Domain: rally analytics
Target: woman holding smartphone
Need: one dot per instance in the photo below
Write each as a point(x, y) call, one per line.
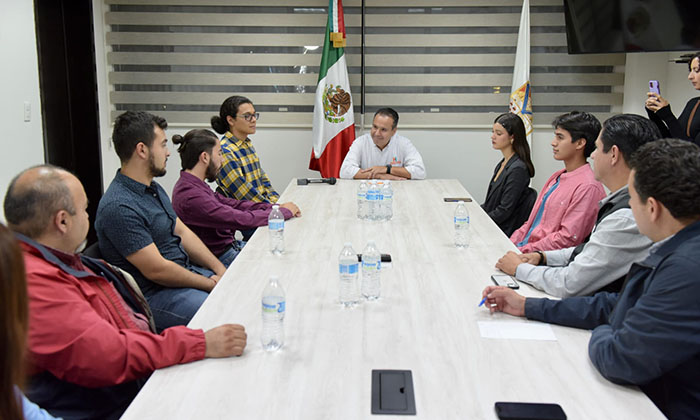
point(687, 126)
point(509, 200)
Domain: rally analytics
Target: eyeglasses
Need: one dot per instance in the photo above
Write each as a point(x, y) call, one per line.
point(249, 117)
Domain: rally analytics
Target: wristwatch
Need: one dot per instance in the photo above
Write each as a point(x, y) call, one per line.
point(543, 259)
point(388, 169)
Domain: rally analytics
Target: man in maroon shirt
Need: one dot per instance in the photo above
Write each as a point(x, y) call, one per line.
point(91, 341)
point(213, 217)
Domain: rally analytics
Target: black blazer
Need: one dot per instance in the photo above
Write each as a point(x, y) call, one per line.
point(507, 194)
point(677, 128)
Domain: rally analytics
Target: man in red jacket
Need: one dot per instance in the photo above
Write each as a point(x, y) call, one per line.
point(91, 337)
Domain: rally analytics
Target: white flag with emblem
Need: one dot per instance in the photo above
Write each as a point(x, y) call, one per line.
point(521, 90)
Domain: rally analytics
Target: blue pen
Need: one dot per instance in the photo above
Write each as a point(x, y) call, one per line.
point(482, 301)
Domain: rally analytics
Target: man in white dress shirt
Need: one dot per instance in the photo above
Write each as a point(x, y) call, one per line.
point(602, 260)
point(383, 154)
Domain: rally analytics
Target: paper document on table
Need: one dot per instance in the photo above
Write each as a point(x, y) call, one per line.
point(516, 330)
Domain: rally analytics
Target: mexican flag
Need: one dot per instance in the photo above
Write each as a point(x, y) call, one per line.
point(334, 121)
point(521, 89)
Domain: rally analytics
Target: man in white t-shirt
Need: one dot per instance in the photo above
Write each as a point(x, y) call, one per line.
point(383, 154)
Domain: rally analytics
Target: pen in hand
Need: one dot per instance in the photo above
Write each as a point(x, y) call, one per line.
point(482, 301)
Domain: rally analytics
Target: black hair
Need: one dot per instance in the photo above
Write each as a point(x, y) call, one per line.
point(30, 206)
point(628, 132)
point(193, 144)
point(581, 125)
point(669, 170)
point(391, 113)
point(229, 107)
point(132, 128)
point(690, 60)
point(515, 127)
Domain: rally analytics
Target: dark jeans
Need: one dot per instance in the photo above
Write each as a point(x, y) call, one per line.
point(176, 306)
point(231, 253)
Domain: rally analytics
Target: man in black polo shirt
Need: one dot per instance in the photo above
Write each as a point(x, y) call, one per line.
point(138, 230)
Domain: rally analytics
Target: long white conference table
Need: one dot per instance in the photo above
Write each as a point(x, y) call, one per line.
point(426, 321)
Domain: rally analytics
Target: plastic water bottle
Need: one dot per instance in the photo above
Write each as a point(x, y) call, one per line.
point(372, 196)
point(379, 216)
point(273, 308)
point(275, 223)
point(362, 200)
point(349, 287)
point(388, 200)
point(461, 225)
point(371, 271)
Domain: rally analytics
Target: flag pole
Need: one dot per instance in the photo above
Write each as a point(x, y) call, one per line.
point(521, 95)
point(362, 72)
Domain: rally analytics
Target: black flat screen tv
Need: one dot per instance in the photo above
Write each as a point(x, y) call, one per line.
point(614, 26)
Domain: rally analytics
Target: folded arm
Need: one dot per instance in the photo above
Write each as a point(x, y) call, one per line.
point(613, 247)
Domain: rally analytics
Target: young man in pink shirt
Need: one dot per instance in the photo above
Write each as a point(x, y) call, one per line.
point(566, 208)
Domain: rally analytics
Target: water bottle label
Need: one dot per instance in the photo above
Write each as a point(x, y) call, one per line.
point(462, 220)
point(371, 197)
point(276, 225)
point(371, 266)
point(274, 307)
point(348, 268)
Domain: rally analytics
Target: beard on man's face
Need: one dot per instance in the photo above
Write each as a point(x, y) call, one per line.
point(211, 172)
point(154, 170)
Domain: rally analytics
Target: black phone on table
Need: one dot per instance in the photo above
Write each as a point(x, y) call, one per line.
point(529, 411)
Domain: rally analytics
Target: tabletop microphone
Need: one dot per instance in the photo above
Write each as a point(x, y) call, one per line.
point(305, 181)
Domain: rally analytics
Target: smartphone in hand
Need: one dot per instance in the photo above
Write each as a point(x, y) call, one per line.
point(654, 87)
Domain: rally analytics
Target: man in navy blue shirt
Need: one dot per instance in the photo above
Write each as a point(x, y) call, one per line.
point(648, 334)
point(138, 229)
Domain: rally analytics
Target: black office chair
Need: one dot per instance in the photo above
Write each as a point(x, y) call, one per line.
point(523, 212)
point(93, 251)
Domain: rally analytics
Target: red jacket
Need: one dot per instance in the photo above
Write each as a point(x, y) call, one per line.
point(80, 330)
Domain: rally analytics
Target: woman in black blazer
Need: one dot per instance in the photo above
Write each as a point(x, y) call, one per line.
point(508, 191)
point(687, 126)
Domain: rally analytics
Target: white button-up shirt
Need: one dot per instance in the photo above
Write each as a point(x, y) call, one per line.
point(400, 152)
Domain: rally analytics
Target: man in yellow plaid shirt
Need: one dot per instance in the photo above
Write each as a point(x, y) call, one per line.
point(241, 177)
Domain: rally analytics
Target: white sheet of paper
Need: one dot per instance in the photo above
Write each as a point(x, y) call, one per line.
point(516, 330)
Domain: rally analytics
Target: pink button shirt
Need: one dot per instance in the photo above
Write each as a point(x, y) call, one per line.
point(569, 213)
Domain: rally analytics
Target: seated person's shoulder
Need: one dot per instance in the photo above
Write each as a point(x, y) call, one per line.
point(517, 163)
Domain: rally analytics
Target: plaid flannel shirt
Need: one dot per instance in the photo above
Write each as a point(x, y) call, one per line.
point(241, 177)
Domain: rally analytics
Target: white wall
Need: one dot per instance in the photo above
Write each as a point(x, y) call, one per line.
point(22, 142)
